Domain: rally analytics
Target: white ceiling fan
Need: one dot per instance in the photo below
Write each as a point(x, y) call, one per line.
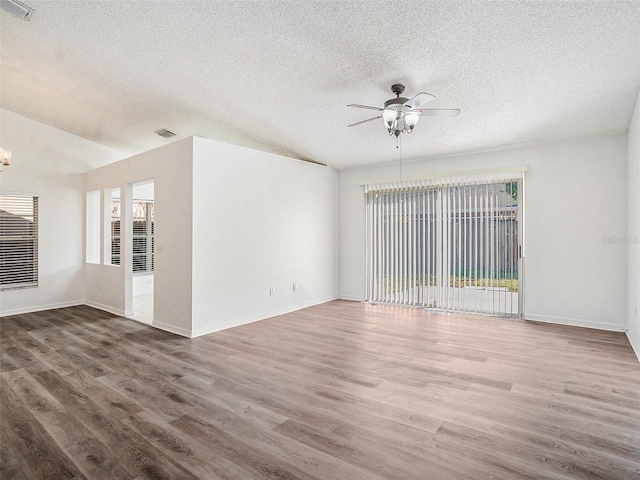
point(401, 114)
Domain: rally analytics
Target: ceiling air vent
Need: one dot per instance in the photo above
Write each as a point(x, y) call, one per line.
point(163, 132)
point(17, 8)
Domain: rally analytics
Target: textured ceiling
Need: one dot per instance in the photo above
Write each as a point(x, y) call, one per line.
point(277, 76)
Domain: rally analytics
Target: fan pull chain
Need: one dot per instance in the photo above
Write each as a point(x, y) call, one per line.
point(399, 147)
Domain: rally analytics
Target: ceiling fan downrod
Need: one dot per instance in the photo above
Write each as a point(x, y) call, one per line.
point(397, 88)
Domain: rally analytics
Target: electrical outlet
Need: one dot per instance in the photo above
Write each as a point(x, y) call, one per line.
point(99, 286)
point(272, 290)
point(295, 287)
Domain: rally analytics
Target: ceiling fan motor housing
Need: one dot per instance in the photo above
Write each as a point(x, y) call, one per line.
point(395, 103)
point(397, 88)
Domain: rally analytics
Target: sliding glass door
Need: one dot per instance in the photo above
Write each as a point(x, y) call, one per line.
point(451, 246)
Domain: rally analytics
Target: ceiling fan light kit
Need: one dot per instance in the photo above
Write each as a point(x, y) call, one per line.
point(400, 115)
point(5, 159)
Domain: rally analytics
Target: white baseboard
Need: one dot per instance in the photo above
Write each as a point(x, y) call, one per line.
point(262, 316)
point(165, 326)
point(575, 322)
point(106, 308)
point(635, 344)
point(184, 332)
point(352, 298)
point(40, 308)
point(126, 314)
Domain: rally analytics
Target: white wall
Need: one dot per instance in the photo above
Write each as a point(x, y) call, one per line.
point(51, 163)
point(634, 228)
point(143, 191)
point(230, 222)
point(260, 220)
point(171, 169)
point(142, 284)
point(576, 197)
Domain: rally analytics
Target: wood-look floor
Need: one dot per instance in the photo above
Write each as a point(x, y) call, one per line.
point(343, 390)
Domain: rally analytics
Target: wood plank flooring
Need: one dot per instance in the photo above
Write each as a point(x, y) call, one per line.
point(343, 390)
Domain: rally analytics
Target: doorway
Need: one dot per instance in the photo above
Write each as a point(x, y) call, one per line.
point(448, 247)
point(143, 249)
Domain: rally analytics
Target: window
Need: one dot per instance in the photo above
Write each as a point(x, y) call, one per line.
point(142, 237)
point(112, 254)
point(452, 246)
point(143, 244)
point(18, 241)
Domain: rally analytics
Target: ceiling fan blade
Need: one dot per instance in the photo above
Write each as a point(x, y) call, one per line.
point(364, 121)
point(367, 107)
point(419, 100)
point(440, 112)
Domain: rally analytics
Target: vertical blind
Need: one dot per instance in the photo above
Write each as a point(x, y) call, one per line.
point(18, 241)
point(452, 246)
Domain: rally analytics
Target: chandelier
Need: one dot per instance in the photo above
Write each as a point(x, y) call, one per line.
point(5, 159)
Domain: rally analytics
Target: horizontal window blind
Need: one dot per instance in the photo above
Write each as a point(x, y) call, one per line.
point(143, 244)
point(143, 235)
point(453, 246)
point(116, 220)
point(18, 241)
